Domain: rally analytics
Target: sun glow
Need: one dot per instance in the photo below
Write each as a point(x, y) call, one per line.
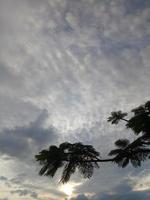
point(69, 188)
point(142, 184)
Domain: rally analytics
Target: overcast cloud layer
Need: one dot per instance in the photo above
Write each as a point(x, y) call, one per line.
point(64, 66)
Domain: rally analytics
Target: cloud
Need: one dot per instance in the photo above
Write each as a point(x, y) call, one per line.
point(123, 191)
point(79, 60)
point(3, 178)
point(80, 53)
point(22, 141)
point(25, 193)
point(80, 197)
point(3, 198)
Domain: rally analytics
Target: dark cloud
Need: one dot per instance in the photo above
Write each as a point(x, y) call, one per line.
point(135, 5)
point(80, 197)
point(25, 193)
point(3, 198)
point(16, 112)
point(21, 142)
point(123, 191)
point(3, 178)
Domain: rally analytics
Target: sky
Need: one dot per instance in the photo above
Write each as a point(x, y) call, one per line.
point(64, 66)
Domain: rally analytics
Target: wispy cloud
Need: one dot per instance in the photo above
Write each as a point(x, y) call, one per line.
point(64, 66)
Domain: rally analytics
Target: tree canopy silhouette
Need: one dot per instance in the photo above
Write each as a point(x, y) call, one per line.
point(85, 158)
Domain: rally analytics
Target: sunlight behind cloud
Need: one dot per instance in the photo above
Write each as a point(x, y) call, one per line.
point(69, 188)
point(143, 183)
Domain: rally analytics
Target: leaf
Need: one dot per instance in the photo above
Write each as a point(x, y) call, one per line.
point(53, 168)
point(115, 152)
point(64, 146)
point(125, 162)
point(43, 170)
point(68, 171)
point(122, 143)
point(116, 117)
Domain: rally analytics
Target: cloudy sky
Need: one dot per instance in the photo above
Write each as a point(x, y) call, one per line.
point(64, 66)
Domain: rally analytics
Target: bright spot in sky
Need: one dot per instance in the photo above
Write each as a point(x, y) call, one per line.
point(142, 184)
point(69, 188)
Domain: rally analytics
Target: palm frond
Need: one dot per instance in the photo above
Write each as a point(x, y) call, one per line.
point(116, 117)
point(65, 146)
point(86, 169)
point(122, 143)
point(139, 110)
point(147, 106)
point(140, 124)
point(67, 172)
point(42, 156)
point(43, 169)
point(76, 155)
point(53, 168)
point(135, 161)
point(125, 162)
point(119, 160)
point(115, 152)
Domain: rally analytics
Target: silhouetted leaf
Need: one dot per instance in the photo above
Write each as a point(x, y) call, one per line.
point(116, 117)
point(125, 162)
point(122, 143)
point(115, 152)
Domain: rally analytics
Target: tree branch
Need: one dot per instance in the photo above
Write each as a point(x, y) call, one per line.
point(124, 120)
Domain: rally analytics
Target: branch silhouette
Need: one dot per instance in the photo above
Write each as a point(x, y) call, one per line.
point(85, 158)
